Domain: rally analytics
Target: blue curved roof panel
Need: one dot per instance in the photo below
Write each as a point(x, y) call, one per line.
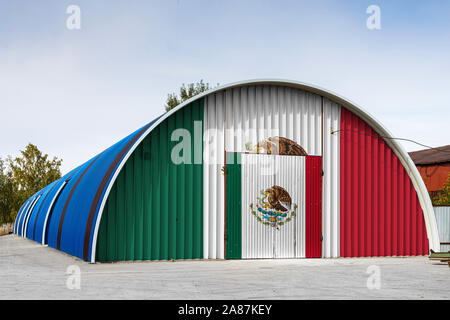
point(63, 213)
point(32, 216)
point(98, 195)
point(73, 227)
point(22, 215)
point(25, 222)
point(35, 231)
point(60, 208)
point(44, 215)
point(19, 214)
point(25, 213)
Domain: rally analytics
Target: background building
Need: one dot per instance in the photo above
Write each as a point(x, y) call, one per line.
point(434, 167)
point(443, 224)
point(255, 169)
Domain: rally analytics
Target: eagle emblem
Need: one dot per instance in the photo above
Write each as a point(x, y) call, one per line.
point(274, 207)
point(277, 145)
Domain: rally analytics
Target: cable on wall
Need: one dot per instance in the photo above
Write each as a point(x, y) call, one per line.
point(391, 138)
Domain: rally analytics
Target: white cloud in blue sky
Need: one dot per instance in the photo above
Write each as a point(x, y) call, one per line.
point(74, 93)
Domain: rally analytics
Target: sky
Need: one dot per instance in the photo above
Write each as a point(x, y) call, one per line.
point(74, 93)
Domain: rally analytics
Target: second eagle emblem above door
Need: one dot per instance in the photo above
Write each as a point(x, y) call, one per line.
point(278, 146)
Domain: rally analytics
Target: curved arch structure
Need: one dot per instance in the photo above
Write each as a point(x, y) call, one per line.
point(66, 214)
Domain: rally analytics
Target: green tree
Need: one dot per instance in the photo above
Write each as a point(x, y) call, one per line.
point(29, 173)
point(186, 92)
point(443, 196)
point(8, 190)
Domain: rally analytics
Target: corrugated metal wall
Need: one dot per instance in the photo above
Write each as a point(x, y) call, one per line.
point(260, 172)
point(331, 182)
point(20, 216)
point(379, 209)
point(257, 238)
point(233, 225)
point(442, 214)
point(45, 218)
point(56, 221)
point(255, 113)
point(158, 210)
point(26, 216)
point(313, 207)
point(30, 225)
point(213, 179)
point(154, 210)
point(237, 119)
point(39, 215)
point(290, 239)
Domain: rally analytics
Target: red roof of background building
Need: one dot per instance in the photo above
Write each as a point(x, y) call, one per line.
point(431, 156)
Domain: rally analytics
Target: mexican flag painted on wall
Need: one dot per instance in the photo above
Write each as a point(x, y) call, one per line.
point(273, 206)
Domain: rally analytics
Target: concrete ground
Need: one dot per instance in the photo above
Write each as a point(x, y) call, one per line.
point(31, 271)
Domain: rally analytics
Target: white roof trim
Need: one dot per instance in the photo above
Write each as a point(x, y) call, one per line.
point(422, 193)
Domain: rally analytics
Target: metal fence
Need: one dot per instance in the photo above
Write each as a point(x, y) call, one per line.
point(443, 223)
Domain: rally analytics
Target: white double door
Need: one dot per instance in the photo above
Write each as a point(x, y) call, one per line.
point(263, 240)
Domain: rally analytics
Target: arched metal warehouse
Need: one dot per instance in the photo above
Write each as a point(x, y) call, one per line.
point(254, 169)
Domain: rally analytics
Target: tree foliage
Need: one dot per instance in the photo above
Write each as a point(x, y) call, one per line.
point(7, 194)
point(23, 176)
point(443, 196)
point(186, 92)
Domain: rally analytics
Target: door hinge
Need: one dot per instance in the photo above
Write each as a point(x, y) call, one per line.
point(323, 173)
point(321, 237)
